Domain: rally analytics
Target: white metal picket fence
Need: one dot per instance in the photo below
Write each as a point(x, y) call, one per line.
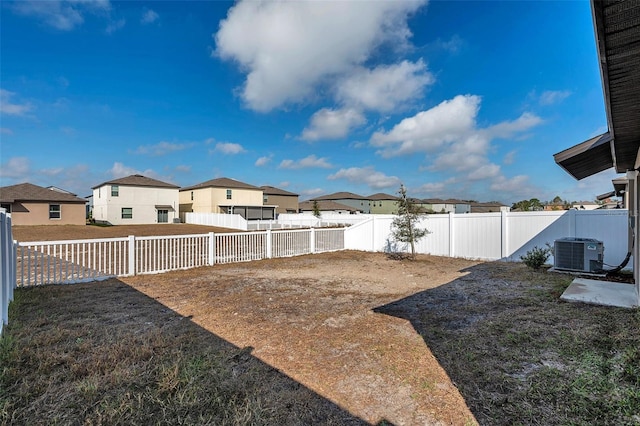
point(59, 262)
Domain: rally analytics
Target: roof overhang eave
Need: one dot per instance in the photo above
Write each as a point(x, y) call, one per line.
point(587, 158)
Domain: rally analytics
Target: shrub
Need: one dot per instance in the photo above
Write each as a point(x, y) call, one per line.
point(536, 257)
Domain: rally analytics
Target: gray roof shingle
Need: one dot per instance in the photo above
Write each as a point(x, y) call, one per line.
point(272, 190)
point(31, 192)
point(138, 180)
point(340, 196)
point(221, 183)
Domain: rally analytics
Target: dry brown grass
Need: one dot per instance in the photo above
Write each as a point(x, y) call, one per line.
point(79, 232)
point(337, 338)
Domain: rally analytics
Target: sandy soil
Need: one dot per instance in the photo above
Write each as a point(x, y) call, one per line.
point(313, 318)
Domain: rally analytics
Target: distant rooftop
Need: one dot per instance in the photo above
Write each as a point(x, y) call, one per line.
point(138, 180)
point(31, 192)
point(272, 190)
point(221, 183)
point(340, 196)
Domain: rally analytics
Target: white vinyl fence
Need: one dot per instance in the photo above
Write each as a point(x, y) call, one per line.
point(232, 221)
point(493, 236)
point(487, 236)
point(7, 267)
point(284, 221)
point(56, 262)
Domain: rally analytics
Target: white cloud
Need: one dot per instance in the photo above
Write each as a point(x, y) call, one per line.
point(509, 157)
point(517, 184)
point(15, 168)
point(453, 45)
point(313, 192)
point(149, 17)
point(9, 108)
point(161, 148)
point(289, 48)
point(228, 148)
point(385, 87)
point(436, 189)
point(119, 170)
point(507, 129)
point(550, 97)
point(429, 130)
point(61, 14)
point(466, 154)
point(53, 171)
point(183, 168)
point(449, 131)
point(332, 124)
point(263, 161)
point(366, 175)
point(484, 171)
point(308, 162)
point(115, 26)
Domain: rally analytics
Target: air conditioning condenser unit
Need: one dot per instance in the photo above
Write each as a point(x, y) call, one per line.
point(578, 254)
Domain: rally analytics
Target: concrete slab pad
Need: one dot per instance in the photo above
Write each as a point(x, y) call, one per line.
point(605, 293)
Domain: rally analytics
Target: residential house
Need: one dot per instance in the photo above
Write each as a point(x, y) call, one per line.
point(585, 205)
point(327, 206)
point(617, 39)
point(285, 201)
point(31, 204)
point(382, 203)
point(489, 207)
point(135, 200)
point(460, 206)
point(436, 205)
point(225, 196)
point(358, 202)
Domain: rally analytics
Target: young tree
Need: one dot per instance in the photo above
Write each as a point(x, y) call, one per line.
point(405, 226)
point(316, 209)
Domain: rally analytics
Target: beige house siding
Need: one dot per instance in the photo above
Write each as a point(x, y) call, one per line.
point(37, 213)
point(141, 200)
point(210, 200)
point(384, 207)
point(285, 203)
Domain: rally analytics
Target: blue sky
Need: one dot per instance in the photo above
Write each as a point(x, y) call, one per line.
point(456, 99)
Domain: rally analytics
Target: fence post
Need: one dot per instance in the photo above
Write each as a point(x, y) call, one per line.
point(312, 241)
point(269, 242)
point(373, 234)
point(504, 249)
point(14, 273)
point(452, 235)
point(572, 222)
point(4, 271)
point(212, 249)
point(132, 255)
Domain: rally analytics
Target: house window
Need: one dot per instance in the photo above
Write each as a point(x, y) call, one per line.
point(6, 207)
point(99, 192)
point(115, 189)
point(265, 199)
point(54, 211)
point(127, 212)
point(191, 195)
point(228, 194)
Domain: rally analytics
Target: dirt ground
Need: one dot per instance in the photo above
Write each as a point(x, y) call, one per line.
point(435, 341)
point(80, 232)
point(313, 318)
